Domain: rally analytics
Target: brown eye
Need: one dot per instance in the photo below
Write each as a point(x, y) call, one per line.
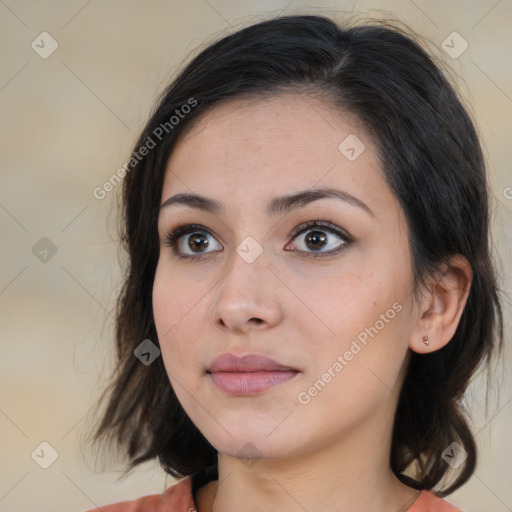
point(316, 238)
point(197, 242)
point(191, 240)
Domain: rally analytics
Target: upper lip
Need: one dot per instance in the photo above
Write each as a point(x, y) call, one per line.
point(249, 363)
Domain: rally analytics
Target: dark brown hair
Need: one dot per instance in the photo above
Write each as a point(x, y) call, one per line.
point(432, 161)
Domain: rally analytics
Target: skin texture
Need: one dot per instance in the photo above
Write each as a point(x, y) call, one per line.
point(331, 453)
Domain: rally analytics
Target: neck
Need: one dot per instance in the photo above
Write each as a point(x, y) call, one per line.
point(353, 474)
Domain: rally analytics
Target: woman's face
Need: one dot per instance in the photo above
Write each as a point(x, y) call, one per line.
point(331, 303)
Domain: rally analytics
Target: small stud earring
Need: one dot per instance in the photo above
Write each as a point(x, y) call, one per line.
point(425, 340)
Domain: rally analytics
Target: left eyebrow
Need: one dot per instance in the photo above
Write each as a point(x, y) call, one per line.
point(277, 206)
point(284, 204)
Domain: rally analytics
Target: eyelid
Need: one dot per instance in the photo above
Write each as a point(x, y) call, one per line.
point(173, 236)
point(306, 226)
point(327, 226)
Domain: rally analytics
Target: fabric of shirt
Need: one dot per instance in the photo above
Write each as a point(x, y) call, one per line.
point(180, 498)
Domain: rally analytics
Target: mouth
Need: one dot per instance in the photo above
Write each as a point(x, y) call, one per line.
point(249, 375)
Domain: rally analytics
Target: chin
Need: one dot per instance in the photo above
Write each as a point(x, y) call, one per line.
point(253, 450)
point(251, 442)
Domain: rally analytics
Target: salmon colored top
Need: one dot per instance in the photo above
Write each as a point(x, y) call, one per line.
point(180, 498)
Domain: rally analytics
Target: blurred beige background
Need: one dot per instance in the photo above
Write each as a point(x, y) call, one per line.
point(69, 120)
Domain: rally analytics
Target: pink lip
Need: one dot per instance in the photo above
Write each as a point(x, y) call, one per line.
point(248, 375)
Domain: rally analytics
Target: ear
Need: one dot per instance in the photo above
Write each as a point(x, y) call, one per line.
point(441, 307)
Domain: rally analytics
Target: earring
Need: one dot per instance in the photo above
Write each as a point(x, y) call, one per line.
point(425, 340)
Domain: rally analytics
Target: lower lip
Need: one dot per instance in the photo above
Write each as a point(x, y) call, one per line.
point(250, 383)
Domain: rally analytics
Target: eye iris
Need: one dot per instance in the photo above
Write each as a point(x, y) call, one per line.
point(197, 241)
point(317, 239)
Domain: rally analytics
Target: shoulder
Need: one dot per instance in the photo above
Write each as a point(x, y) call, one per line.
point(177, 498)
point(429, 502)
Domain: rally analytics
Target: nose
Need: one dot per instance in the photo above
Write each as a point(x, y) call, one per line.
point(247, 298)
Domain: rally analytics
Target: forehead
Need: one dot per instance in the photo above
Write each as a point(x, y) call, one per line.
point(282, 121)
point(303, 125)
point(261, 147)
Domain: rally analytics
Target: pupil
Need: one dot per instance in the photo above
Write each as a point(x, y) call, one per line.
point(197, 242)
point(317, 239)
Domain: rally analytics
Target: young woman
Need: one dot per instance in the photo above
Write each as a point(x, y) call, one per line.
point(310, 285)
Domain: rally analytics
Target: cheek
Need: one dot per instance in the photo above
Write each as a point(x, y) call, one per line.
point(360, 313)
point(176, 297)
point(165, 303)
point(341, 304)
point(357, 369)
point(177, 311)
point(369, 292)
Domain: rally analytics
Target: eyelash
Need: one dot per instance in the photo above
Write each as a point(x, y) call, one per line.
point(180, 230)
